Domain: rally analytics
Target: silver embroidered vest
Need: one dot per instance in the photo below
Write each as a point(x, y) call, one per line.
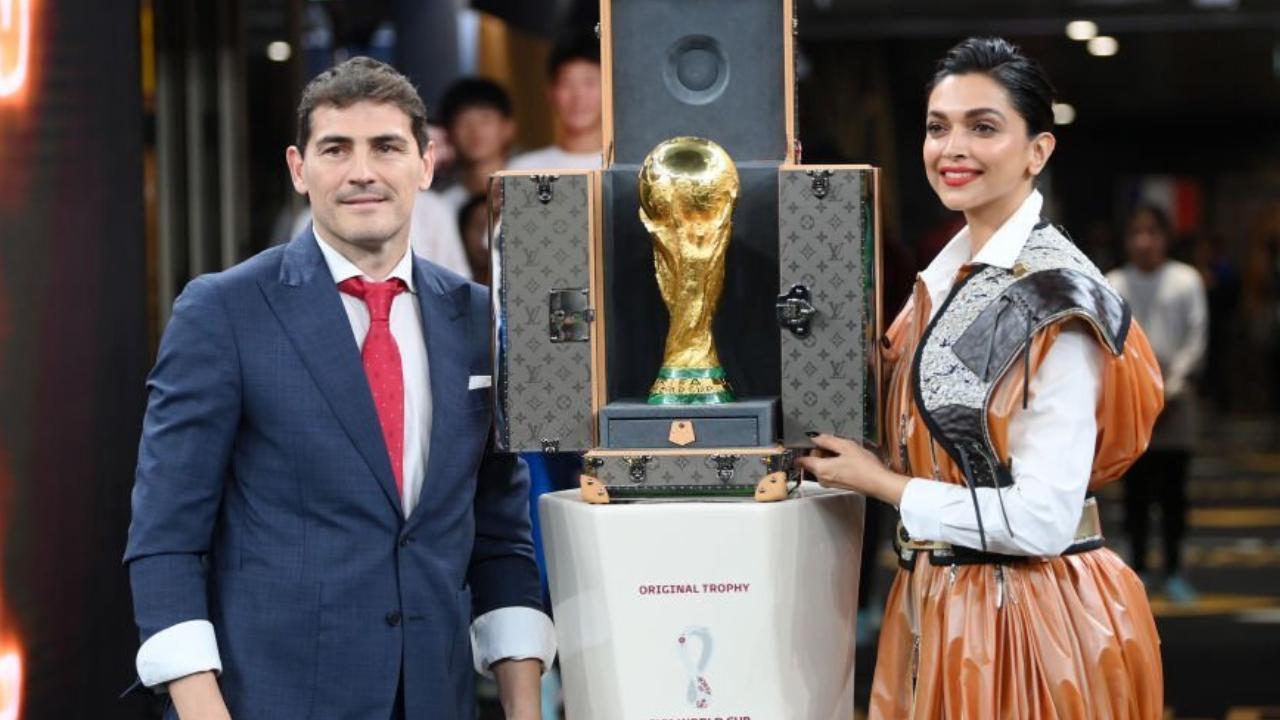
point(987, 321)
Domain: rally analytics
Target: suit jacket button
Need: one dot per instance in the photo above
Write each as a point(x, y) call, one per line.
point(404, 541)
point(393, 618)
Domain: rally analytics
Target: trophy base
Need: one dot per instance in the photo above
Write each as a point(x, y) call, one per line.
point(690, 386)
point(750, 422)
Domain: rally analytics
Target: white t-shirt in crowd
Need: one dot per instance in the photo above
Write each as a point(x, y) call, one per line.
point(455, 196)
point(1170, 305)
point(554, 158)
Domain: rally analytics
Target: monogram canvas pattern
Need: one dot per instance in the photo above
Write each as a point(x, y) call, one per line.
point(827, 244)
point(544, 387)
point(693, 471)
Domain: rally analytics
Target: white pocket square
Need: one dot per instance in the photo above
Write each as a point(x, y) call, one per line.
point(475, 382)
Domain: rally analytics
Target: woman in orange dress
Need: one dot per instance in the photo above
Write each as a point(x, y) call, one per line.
point(1017, 383)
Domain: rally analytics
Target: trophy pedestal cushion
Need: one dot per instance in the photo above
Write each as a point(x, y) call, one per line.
point(760, 594)
point(637, 424)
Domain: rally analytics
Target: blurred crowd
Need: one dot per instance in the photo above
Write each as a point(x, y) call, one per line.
point(473, 133)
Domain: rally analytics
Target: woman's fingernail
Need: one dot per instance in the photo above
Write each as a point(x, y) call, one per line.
point(812, 433)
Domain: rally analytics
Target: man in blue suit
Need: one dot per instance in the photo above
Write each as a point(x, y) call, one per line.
point(319, 529)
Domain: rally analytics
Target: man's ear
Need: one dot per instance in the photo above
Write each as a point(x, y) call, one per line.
point(428, 165)
point(1042, 147)
point(293, 158)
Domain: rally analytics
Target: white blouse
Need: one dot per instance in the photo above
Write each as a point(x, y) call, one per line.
point(1051, 442)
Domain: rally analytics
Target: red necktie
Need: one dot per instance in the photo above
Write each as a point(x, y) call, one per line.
point(381, 358)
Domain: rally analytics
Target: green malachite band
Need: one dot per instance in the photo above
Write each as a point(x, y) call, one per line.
point(668, 373)
point(691, 399)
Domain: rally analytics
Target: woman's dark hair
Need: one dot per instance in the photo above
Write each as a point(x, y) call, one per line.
point(1029, 87)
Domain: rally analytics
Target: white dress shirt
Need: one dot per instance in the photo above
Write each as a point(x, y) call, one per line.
point(1051, 442)
point(505, 633)
point(406, 328)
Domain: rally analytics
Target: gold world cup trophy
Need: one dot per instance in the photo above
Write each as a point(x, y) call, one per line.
point(688, 189)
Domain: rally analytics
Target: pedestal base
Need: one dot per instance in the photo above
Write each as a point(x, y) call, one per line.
point(725, 609)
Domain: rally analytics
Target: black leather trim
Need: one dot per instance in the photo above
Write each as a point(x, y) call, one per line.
point(1004, 327)
point(959, 430)
point(961, 435)
point(968, 556)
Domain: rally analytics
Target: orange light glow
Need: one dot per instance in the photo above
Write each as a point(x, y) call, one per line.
point(10, 680)
point(15, 52)
point(11, 651)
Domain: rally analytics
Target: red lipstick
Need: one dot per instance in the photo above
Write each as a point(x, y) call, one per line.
point(956, 176)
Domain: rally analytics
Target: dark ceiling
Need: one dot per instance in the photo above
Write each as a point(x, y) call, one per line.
point(1176, 58)
point(925, 18)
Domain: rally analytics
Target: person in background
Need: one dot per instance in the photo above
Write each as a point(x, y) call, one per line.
point(1168, 301)
point(473, 225)
point(478, 116)
point(433, 234)
point(574, 73)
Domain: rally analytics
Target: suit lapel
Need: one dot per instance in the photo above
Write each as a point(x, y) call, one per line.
point(305, 300)
point(444, 319)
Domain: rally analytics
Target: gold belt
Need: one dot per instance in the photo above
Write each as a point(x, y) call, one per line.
point(1089, 530)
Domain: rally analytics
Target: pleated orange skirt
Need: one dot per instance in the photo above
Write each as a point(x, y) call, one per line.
point(1069, 637)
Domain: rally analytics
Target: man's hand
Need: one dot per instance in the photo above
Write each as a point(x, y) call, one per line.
point(197, 697)
point(519, 688)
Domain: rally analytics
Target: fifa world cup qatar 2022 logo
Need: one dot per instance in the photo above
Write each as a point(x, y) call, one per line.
point(15, 46)
point(695, 654)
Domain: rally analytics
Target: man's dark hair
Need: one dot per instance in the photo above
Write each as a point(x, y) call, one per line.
point(573, 48)
point(1157, 214)
point(1030, 90)
point(470, 93)
point(356, 80)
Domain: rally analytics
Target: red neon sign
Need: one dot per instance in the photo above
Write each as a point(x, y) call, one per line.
point(15, 45)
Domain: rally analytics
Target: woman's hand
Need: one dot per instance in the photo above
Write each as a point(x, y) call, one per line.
point(844, 464)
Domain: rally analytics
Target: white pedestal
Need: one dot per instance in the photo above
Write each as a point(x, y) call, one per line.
point(764, 596)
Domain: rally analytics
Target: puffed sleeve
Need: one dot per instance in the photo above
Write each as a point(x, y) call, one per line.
point(1132, 397)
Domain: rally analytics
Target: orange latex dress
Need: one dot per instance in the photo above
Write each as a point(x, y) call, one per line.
point(1064, 637)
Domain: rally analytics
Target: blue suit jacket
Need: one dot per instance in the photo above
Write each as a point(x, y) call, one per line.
point(265, 501)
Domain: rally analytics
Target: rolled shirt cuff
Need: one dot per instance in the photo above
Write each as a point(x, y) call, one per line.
point(178, 651)
point(921, 508)
point(512, 633)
